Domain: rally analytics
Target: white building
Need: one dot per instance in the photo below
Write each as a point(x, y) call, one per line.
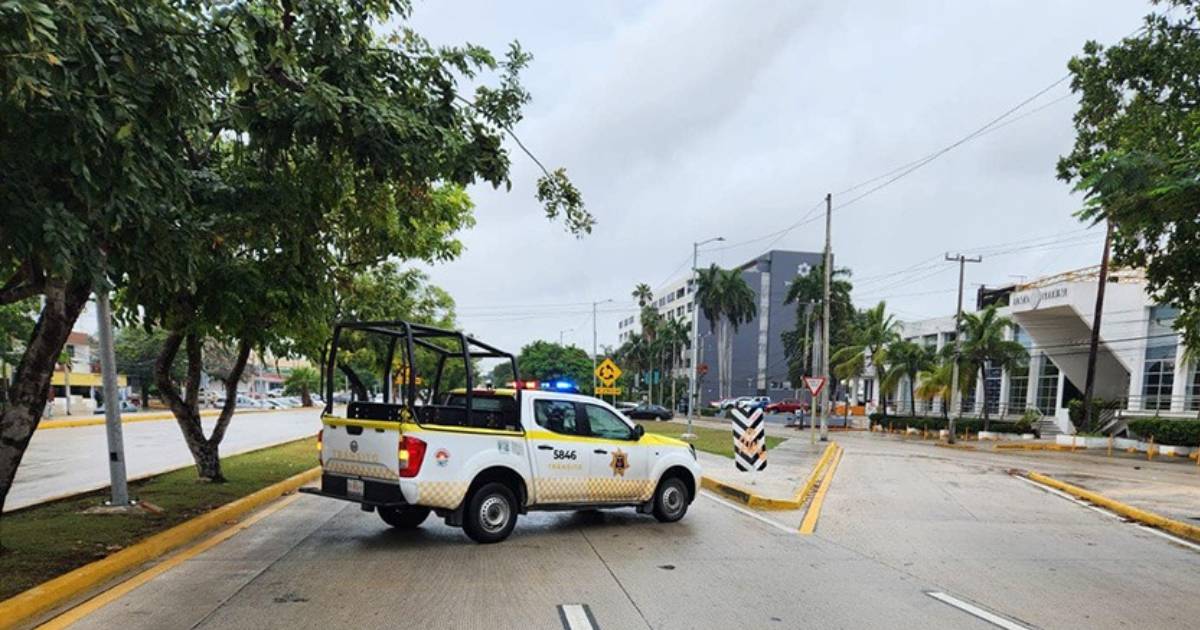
point(1140, 361)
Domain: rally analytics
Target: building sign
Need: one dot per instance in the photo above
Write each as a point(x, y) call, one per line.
point(1034, 298)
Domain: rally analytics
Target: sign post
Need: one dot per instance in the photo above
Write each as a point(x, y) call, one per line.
point(814, 385)
point(749, 439)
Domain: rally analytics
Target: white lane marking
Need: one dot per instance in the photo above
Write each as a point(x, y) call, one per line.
point(576, 617)
point(1175, 539)
point(1095, 508)
point(759, 517)
point(1057, 492)
point(972, 609)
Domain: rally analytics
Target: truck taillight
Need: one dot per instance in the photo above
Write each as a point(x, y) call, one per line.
point(411, 452)
point(320, 441)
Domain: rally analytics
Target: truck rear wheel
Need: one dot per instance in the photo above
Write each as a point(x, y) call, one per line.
point(404, 518)
point(491, 513)
point(670, 500)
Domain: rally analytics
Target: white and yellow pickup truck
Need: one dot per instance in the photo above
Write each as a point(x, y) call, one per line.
point(516, 450)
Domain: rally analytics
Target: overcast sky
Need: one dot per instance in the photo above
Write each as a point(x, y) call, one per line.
point(682, 120)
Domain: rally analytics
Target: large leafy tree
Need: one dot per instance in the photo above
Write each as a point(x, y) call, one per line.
point(220, 164)
point(727, 302)
point(547, 361)
point(1137, 152)
point(984, 345)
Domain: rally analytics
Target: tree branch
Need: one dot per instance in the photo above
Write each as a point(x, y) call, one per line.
point(231, 383)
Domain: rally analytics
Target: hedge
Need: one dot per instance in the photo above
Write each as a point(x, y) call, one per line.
point(1166, 431)
point(974, 425)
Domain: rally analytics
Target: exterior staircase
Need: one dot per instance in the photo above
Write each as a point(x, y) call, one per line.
point(1047, 427)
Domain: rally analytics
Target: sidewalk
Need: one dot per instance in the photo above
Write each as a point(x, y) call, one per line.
point(1168, 486)
point(788, 465)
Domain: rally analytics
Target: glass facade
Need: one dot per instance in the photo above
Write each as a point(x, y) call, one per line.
point(991, 388)
point(1018, 376)
point(1047, 388)
point(1158, 371)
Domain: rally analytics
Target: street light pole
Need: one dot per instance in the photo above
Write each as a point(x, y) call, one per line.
point(827, 329)
point(692, 394)
point(594, 304)
point(112, 409)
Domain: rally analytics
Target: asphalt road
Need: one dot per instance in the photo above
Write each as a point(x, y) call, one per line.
point(909, 537)
point(69, 460)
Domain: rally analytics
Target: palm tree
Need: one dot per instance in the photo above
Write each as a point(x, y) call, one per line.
point(676, 337)
point(905, 360)
point(935, 383)
point(643, 294)
point(810, 289)
point(727, 302)
point(983, 346)
point(870, 341)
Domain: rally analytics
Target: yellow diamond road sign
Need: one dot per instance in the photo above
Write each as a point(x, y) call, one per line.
point(608, 372)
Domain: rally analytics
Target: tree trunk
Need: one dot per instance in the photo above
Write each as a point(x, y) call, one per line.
point(305, 395)
point(31, 381)
point(186, 406)
point(912, 397)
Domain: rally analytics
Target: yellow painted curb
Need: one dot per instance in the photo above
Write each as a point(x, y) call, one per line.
point(1178, 528)
point(809, 525)
point(21, 608)
point(961, 447)
point(748, 498)
point(144, 417)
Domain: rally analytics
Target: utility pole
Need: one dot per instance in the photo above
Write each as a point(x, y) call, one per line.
point(954, 402)
point(813, 408)
point(112, 408)
point(694, 290)
point(567, 330)
point(1090, 383)
point(594, 304)
point(827, 329)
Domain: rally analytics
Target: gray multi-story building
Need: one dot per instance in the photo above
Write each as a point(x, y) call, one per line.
point(760, 365)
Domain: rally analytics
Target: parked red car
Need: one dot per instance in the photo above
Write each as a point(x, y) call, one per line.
point(787, 406)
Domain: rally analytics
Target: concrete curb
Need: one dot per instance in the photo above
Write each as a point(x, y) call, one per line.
point(1179, 528)
point(145, 417)
point(748, 498)
point(23, 607)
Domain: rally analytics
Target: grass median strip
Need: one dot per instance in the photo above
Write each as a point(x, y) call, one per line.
point(715, 441)
point(47, 540)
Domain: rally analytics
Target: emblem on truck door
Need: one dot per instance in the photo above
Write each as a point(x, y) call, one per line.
point(619, 463)
point(353, 446)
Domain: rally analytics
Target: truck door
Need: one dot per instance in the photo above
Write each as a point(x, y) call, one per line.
point(560, 460)
point(619, 470)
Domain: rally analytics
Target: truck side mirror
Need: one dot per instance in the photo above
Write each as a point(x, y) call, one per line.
point(638, 431)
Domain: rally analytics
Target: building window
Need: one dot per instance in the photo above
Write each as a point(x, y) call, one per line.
point(1018, 385)
point(1158, 380)
point(991, 388)
point(1047, 389)
point(968, 400)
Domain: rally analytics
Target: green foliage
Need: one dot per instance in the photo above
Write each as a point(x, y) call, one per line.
point(1167, 431)
point(1075, 410)
point(870, 336)
point(302, 381)
point(136, 350)
point(974, 425)
point(547, 361)
point(16, 326)
point(982, 344)
point(1137, 152)
point(810, 289)
point(905, 360)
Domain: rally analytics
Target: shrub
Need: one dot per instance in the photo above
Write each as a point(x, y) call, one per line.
point(708, 412)
point(1167, 431)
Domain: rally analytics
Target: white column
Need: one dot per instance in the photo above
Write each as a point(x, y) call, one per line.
point(1035, 375)
point(1179, 386)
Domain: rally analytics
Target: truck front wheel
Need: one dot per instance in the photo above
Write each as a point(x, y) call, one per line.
point(404, 518)
point(670, 500)
point(491, 513)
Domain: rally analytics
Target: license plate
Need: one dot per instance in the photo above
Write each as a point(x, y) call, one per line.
point(354, 487)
